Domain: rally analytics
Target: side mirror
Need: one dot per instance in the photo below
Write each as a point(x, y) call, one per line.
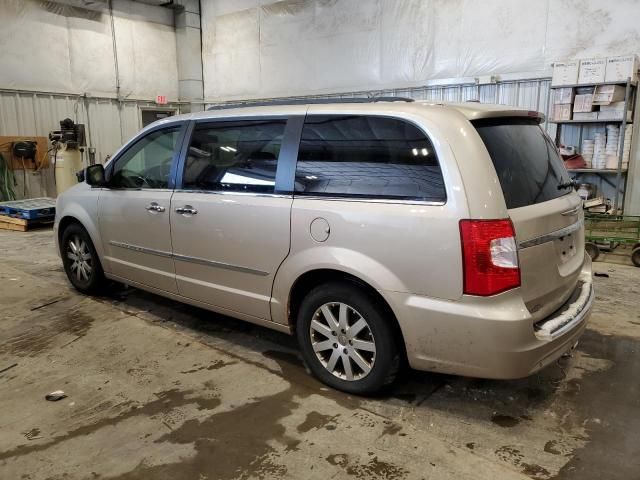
point(94, 175)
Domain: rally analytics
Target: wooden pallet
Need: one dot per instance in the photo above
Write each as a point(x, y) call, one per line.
point(22, 225)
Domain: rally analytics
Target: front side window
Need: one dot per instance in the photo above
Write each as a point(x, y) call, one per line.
point(367, 156)
point(147, 164)
point(234, 156)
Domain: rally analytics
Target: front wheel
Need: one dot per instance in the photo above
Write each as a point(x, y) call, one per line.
point(80, 260)
point(346, 338)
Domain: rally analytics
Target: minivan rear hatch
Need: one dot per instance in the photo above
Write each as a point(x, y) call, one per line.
point(545, 211)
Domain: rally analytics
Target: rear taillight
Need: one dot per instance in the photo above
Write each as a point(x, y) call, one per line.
point(490, 256)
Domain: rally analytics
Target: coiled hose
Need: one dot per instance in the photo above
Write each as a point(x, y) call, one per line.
point(6, 177)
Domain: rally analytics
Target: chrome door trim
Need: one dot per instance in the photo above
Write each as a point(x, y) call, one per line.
point(136, 248)
point(187, 258)
point(231, 193)
point(226, 266)
point(551, 236)
point(400, 201)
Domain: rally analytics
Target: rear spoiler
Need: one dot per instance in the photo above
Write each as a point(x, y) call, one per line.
point(520, 114)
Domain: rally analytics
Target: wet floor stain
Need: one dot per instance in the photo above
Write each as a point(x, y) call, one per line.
point(611, 450)
point(391, 428)
point(315, 420)
point(373, 469)
point(551, 447)
point(218, 364)
point(535, 471)
point(165, 402)
point(42, 331)
point(227, 444)
point(504, 421)
point(509, 454)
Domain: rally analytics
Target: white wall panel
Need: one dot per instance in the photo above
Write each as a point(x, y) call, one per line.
point(53, 47)
point(263, 49)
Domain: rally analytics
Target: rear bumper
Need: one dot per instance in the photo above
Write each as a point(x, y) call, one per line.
point(491, 337)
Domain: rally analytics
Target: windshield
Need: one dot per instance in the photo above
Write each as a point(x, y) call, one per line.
point(528, 165)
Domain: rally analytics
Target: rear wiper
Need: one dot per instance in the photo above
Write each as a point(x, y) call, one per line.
point(569, 184)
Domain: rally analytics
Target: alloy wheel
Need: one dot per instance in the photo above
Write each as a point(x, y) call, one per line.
point(342, 341)
point(81, 260)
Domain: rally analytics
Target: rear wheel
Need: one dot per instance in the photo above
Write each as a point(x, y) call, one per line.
point(80, 260)
point(346, 338)
point(635, 256)
point(592, 249)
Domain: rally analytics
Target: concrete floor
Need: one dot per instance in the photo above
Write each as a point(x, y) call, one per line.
point(158, 390)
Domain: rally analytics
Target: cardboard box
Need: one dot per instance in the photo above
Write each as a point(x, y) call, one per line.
point(562, 95)
point(592, 70)
point(621, 68)
point(585, 115)
point(614, 115)
point(606, 94)
point(583, 103)
point(565, 73)
point(561, 112)
point(613, 107)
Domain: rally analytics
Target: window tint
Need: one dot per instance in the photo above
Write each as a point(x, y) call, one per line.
point(367, 156)
point(147, 164)
point(528, 165)
point(234, 156)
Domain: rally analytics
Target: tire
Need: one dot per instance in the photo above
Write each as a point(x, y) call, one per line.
point(345, 360)
point(593, 250)
point(84, 272)
point(635, 256)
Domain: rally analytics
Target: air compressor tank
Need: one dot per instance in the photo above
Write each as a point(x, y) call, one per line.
point(68, 161)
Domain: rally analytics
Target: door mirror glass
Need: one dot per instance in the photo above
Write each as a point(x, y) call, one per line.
point(94, 175)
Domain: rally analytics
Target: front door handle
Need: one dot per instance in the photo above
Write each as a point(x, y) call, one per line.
point(154, 207)
point(186, 210)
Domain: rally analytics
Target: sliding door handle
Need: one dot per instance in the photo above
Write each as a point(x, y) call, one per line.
point(186, 210)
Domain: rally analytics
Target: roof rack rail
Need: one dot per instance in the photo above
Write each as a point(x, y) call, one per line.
point(309, 101)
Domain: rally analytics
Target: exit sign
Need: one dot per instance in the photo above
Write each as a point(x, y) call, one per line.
point(161, 99)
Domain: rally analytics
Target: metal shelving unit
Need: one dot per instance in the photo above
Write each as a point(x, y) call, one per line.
point(629, 99)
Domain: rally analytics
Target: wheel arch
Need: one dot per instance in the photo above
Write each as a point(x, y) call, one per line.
point(310, 279)
point(88, 225)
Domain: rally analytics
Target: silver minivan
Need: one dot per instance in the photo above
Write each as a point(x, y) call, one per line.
point(380, 232)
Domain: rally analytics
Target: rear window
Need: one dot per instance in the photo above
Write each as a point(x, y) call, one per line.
point(362, 156)
point(526, 161)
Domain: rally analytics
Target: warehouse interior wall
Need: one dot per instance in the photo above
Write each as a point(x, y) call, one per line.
point(262, 48)
point(52, 46)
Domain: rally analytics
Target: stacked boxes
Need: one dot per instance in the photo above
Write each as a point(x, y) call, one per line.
point(562, 99)
point(595, 70)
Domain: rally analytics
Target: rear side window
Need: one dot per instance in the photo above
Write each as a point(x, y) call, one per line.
point(527, 162)
point(367, 156)
point(234, 156)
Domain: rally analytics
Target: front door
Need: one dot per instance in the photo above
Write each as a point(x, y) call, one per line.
point(134, 211)
point(230, 230)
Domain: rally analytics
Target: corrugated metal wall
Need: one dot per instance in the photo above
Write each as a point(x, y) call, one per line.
point(532, 94)
point(108, 125)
